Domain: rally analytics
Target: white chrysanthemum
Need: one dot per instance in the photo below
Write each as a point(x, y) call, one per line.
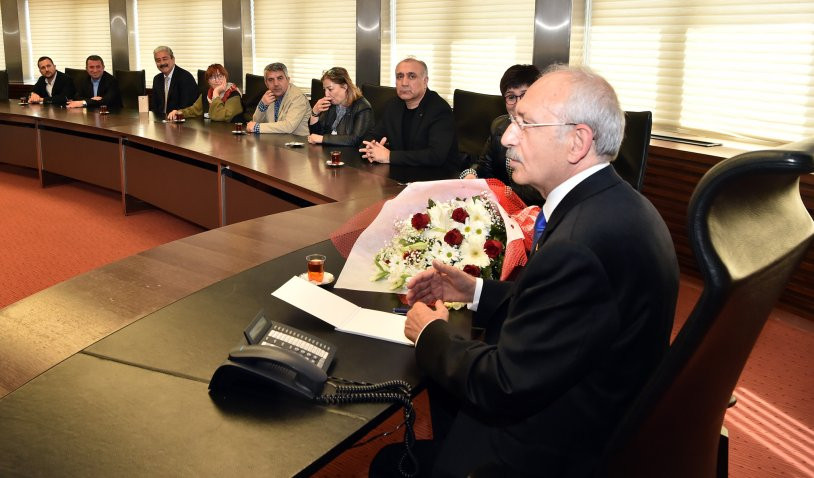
point(472, 252)
point(445, 253)
point(476, 229)
point(478, 212)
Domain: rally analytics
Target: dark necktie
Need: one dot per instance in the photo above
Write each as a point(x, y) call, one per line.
point(539, 227)
point(277, 109)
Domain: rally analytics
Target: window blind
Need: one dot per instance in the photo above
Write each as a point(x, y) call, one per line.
point(467, 44)
point(718, 68)
point(192, 28)
point(2, 46)
point(69, 32)
point(309, 36)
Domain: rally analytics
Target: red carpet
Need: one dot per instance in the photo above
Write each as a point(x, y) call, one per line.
point(55, 233)
point(52, 234)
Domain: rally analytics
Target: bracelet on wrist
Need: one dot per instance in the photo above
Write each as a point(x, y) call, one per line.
point(315, 115)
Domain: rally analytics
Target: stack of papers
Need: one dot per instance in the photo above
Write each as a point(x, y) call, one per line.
point(342, 314)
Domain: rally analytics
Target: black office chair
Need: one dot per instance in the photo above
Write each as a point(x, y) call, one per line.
point(378, 96)
point(78, 76)
point(474, 113)
point(255, 88)
point(317, 91)
point(132, 84)
point(631, 162)
point(3, 85)
point(749, 229)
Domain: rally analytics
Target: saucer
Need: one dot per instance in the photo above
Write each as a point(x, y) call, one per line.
point(327, 278)
point(23, 104)
point(295, 144)
point(104, 112)
point(179, 120)
point(238, 132)
point(334, 165)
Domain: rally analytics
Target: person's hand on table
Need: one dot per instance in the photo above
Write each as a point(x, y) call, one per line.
point(375, 151)
point(420, 315)
point(250, 126)
point(440, 282)
point(34, 98)
point(172, 114)
point(75, 104)
point(315, 138)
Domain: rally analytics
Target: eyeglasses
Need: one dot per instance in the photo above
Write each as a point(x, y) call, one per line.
point(512, 99)
point(523, 126)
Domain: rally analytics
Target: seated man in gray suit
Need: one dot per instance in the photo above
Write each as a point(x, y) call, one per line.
point(573, 339)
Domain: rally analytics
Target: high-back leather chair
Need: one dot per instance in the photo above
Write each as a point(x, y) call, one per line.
point(474, 113)
point(78, 76)
point(631, 162)
point(255, 88)
point(132, 84)
point(378, 96)
point(3, 85)
point(749, 229)
point(317, 91)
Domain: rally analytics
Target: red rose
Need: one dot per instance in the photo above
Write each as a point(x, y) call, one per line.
point(420, 220)
point(460, 215)
point(454, 237)
point(474, 271)
point(493, 248)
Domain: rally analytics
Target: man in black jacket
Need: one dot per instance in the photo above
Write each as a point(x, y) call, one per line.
point(572, 340)
point(417, 128)
point(99, 88)
point(174, 88)
point(53, 86)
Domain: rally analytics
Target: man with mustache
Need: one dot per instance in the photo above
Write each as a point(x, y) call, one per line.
point(417, 128)
point(174, 88)
point(572, 340)
point(283, 108)
point(53, 86)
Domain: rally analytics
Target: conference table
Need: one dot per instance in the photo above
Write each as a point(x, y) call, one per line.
point(107, 373)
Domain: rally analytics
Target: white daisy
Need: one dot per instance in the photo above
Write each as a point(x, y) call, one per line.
point(472, 252)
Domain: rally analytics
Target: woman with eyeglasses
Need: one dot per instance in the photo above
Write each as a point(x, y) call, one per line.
point(221, 102)
point(343, 116)
point(492, 162)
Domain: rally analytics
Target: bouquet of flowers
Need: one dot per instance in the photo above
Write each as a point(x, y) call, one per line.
point(461, 222)
point(467, 233)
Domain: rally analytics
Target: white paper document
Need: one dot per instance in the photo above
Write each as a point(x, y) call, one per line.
point(342, 314)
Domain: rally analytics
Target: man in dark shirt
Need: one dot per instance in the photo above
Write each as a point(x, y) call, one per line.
point(53, 86)
point(417, 128)
point(174, 88)
point(100, 88)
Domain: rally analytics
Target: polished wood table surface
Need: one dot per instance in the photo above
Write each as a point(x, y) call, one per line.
point(179, 166)
point(136, 402)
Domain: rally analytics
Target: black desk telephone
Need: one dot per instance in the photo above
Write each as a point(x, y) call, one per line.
point(298, 363)
point(291, 359)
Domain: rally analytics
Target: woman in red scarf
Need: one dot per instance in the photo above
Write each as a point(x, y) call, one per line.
point(222, 101)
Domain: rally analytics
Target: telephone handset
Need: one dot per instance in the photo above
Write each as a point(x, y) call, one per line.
point(279, 354)
point(288, 369)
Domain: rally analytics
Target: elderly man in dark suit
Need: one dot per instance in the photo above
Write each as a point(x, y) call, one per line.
point(569, 343)
point(417, 128)
point(99, 88)
point(174, 88)
point(53, 86)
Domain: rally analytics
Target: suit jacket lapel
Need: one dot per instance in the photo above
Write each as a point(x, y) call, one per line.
point(592, 185)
